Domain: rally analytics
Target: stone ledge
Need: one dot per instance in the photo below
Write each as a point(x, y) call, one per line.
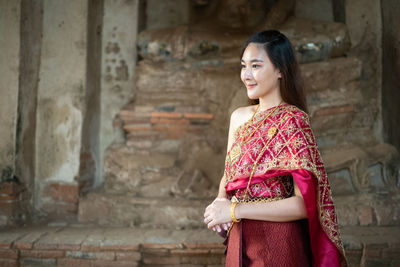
point(101, 246)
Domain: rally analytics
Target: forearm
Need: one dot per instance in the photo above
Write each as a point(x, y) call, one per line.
point(288, 209)
point(221, 189)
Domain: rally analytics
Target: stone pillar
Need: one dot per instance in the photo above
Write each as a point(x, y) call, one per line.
point(10, 15)
point(31, 37)
point(120, 25)
point(391, 72)
point(60, 105)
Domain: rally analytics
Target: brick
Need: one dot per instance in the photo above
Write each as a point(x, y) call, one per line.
point(54, 246)
point(90, 248)
point(159, 128)
point(391, 253)
point(127, 113)
point(169, 121)
point(67, 262)
point(144, 109)
point(63, 192)
point(8, 254)
point(373, 253)
point(8, 208)
point(69, 247)
point(136, 120)
point(46, 246)
point(376, 245)
point(39, 262)
point(166, 115)
point(204, 245)
point(102, 263)
point(376, 262)
point(42, 253)
point(138, 127)
point(10, 188)
point(328, 111)
point(190, 252)
point(201, 260)
point(128, 256)
point(148, 135)
point(9, 198)
point(8, 237)
point(162, 260)
point(9, 263)
point(155, 252)
point(28, 240)
point(366, 215)
point(161, 245)
point(119, 247)
point(91, 255)
point(218, 251)
point(206, 116)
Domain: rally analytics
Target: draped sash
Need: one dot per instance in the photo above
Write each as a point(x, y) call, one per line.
point(285, 145)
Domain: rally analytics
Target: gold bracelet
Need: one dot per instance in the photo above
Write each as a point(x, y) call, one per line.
point(233, 206)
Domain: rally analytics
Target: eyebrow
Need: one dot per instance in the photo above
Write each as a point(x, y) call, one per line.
point(253, 60)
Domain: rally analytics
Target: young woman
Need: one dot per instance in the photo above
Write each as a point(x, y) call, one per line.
point(274, 199)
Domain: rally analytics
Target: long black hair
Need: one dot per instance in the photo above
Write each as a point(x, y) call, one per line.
point(281, 54)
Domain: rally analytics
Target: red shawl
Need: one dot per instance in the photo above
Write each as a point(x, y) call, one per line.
point(285, 145)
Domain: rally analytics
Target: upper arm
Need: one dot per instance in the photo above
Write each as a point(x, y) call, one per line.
point(232, 128)
point(297, 191)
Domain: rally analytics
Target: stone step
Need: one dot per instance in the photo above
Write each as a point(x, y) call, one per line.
point(312, 40)
point(91, 245)
point(129, 210)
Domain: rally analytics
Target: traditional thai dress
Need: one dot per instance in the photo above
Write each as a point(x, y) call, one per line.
point(282, 148)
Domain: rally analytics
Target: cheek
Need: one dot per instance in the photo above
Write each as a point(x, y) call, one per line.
point(242, 76)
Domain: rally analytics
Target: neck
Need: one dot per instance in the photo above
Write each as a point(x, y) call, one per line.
point(270, 101)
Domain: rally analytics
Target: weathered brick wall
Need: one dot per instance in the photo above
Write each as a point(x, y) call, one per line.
point(12, 203)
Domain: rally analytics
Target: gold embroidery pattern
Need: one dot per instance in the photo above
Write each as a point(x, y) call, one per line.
point(293, 147)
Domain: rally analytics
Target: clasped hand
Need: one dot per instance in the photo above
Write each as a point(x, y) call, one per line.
point(217, 214)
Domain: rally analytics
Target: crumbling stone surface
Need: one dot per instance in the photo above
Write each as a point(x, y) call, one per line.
point(176, 126)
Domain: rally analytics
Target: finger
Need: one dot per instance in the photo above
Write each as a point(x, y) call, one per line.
point(214, 229)
point(225, 226)
point(211, 224)
point(207, 220)
point(206, 214)
point(218, 228)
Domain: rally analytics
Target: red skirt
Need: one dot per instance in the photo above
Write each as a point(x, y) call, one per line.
point(261, 243)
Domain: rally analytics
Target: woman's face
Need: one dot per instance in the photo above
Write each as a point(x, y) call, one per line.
point(258, 74)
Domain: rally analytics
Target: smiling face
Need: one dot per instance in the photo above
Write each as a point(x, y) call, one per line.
point(258, 73)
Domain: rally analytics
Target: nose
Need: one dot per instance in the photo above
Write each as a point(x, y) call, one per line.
point(247, 74)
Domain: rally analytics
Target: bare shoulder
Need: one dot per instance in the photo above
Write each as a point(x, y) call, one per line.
point(242, 115)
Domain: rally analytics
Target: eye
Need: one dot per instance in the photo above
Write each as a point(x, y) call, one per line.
point(256, 66)
point(242, 66)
